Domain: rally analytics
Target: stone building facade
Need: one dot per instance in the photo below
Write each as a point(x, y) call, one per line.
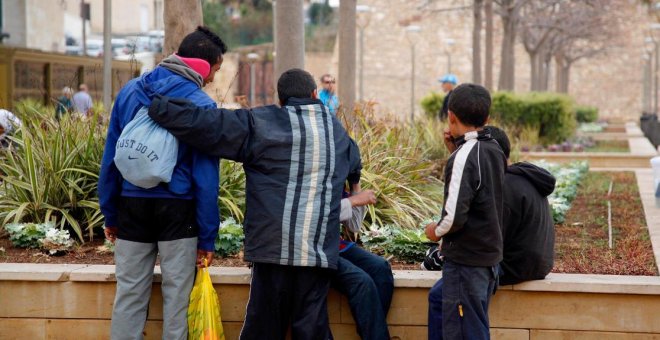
point(611, 81)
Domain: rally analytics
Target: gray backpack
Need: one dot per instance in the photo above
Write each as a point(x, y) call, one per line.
point(145, 153)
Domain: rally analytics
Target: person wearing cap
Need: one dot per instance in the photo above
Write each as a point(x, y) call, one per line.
point(448, 82)
point(175, 221)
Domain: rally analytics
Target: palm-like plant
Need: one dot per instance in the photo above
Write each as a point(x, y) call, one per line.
point(50, 171)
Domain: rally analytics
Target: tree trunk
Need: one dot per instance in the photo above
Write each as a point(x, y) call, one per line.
point(535, 70)
point(562, 72)
point(565, 78)
point(346, 85)
point(546, 63)
point(476, 42)
point(289, 36)
point(180, 18)
point(507, 70)
point(488, 67)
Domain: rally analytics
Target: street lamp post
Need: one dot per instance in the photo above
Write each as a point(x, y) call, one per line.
point(411, 33)
point(252, 58)
point(646, 88)
point(449, 42)
point(656, 47)
point(363, 18)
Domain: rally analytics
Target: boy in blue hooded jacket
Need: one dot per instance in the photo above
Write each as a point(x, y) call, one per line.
point(177, 220)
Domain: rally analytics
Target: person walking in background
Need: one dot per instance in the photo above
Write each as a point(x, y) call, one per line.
point(64, 103)
point(448, 82)
point(327, 94)
point(82, 101)
point(176, 221)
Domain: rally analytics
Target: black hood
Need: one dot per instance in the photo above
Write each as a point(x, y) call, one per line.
point(542, 180)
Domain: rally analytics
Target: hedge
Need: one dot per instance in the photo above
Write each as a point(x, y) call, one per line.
point(552, 114)
point(586, 114)
point(432, 103)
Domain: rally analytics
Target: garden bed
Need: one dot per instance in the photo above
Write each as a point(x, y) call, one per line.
point(95, 252)
point(582, 240)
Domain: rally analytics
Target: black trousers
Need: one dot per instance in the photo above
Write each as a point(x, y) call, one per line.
point(149, 220)
point(286, 295)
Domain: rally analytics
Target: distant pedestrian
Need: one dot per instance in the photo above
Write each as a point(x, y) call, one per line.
point(82, 101)
point(8, 124)
point(449, 82)
point(64, 103)
point(327, 94)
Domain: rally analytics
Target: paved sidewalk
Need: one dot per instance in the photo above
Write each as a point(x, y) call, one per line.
point(651, 212)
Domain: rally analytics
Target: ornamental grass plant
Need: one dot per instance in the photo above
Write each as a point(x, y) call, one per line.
point(50, 170)
point(401, 162)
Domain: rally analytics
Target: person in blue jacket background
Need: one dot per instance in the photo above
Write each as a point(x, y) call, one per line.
point(177, 221)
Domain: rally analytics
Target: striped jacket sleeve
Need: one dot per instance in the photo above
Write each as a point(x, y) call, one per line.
point(217, 132)
point(463, 185)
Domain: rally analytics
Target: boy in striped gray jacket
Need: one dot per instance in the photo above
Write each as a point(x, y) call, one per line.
point(296, 159)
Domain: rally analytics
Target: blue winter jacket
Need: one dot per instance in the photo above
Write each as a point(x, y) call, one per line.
point(195, 176)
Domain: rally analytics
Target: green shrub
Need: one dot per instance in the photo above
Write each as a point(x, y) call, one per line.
point(232, 190)
point(552, 114)
point(39, 235)
point(408, 245)
point(586, 114)
point(230, 238)
point(397, 165)
point(50, 172)
point(27, 235)
point(432, 103)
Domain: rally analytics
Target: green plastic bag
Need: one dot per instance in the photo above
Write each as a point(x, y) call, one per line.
point(204, 310)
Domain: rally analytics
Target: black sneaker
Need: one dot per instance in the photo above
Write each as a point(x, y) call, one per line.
point(433, 260)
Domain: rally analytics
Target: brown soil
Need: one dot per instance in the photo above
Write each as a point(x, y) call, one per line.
point(95, 252)
point(582, 241)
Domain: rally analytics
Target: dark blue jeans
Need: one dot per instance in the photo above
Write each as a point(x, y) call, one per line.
point(366, 280)
point(458, 302)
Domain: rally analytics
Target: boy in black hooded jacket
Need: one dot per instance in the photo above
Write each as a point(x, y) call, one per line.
point(471, 220)
point(528, 229)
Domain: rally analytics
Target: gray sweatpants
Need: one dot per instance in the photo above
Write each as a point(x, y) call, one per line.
point(134, 271)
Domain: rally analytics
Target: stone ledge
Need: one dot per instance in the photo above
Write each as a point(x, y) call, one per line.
point(584, 283)
point(596, 159)
point(38, 272)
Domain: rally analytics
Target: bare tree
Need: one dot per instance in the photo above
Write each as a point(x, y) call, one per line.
point(591, 28)
point(509, 12)
point(539, 24)
point(180, 17)
point(488, 67)
point(476, 41)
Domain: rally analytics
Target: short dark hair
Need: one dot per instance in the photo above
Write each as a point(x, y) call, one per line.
point(295, 83)
point(501, 138)
point(202, 44)
point(471, 104)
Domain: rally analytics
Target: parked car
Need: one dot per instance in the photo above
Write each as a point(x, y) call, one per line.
point(94, 48)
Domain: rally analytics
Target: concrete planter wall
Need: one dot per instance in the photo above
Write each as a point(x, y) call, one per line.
point(75, 302)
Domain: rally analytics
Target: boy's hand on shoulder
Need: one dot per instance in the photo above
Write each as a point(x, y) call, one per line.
point(430, 231)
